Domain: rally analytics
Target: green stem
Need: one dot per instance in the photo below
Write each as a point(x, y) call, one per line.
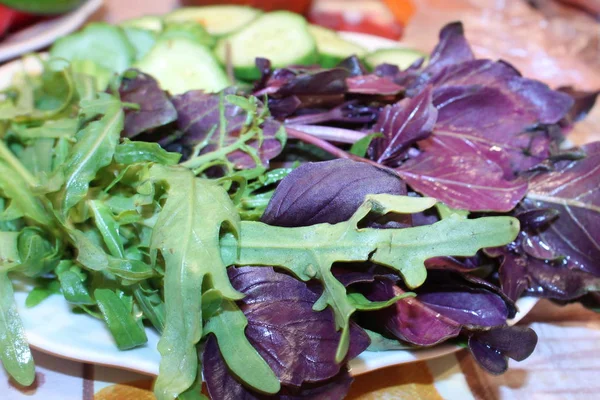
point(10, 159)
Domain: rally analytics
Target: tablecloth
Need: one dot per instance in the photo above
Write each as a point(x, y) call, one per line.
point(565, 364)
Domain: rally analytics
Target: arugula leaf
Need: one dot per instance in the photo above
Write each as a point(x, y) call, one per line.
point(94, 149)
point(42, 292)
point(243, 360)
point(130, 152)
point(309, 252)
point(128, 332)
point(14, 350)
point(187, 236)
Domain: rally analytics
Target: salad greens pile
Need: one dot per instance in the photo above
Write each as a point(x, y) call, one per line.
point(154, 208)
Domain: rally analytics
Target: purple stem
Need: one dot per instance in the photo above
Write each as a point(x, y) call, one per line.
point(329, 133)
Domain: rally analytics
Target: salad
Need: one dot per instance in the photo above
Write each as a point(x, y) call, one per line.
point(275, 210)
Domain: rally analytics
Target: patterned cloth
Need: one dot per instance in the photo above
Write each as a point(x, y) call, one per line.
point(565, 365)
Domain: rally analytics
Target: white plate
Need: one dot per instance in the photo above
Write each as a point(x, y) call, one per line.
point(53, 328)
point(44, 33)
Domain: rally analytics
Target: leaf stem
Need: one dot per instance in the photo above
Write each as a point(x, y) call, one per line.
point(325, 145)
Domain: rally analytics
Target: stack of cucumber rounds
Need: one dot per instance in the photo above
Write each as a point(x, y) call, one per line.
point(189, 48)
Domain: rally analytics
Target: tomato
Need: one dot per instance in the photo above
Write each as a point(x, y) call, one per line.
point(11, 19)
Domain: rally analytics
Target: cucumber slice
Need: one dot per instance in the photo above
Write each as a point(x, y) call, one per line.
point(403, 58)
point(332, 48)
point(180, 64)
point(141, 40)
point(147, 22)
point(217, 20)
point(190, 30)
point(280, 36)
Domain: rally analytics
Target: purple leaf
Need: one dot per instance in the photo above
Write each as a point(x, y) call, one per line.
point(439, 312)
point(354, 66)
point(328, 81)
point(373, 85)
point(222, 385)
point(451, 49)
point(155, 110)
point(199, 120)
point(491, 349)
point(520, 273)
point(573, 189)
point(467, 182)
point(351, 112)
point(329, 191)
point(302, 343)
point(402, 125)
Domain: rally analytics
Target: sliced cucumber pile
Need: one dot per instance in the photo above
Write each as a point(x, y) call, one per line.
point(217, 20)
point(148, 22)
point(402, 58)
point(280, 36)
point(332, 48)
point(188, 48)
point(180, 64)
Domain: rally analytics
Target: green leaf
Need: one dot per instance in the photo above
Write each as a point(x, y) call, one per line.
point(42, 292)
point(151, 305)
point(446, 211)
point(14, 350)
point(126, 331)
point(187, 236)
point(243, 360)
point(94, 150)
point(15, 182)
point(37, 254)
point(52, 129)
point(130, 152)
point(74, 289)
point(132, 270)
point(108, 228)
point(360, 147)
point(360, 302)
point(211, 303)
point(9, 250)
point(309, 252)
point(382, 343)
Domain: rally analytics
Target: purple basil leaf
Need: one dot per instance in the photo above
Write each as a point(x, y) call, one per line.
point(279, 307)
point(466, 182)
point(329, 191)
point(491, 360)
point(264, 66)
point(353, 65)
point(516, 342)
point(536, 218)
point(372, 84)
point(387, 70)
point(408, 319)
point(199, 117)
point(222, 385)
point(402, 125)
point(582, 105)
point(473, 307)
point(491, 349)
point(573, 189)
point(284, 107)
point(322, 82)
point(451, 49)
point(156, 109)
point(351, 273)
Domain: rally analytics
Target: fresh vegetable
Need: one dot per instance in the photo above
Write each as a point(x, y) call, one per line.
point(271, 36)
point(150, 203)
point(332, 48)
point(148, 22)
point(218, 20)
point(180, 64)
point(402, 58)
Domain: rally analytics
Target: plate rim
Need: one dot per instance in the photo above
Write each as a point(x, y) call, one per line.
point(59, 26)
point(364, 363)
